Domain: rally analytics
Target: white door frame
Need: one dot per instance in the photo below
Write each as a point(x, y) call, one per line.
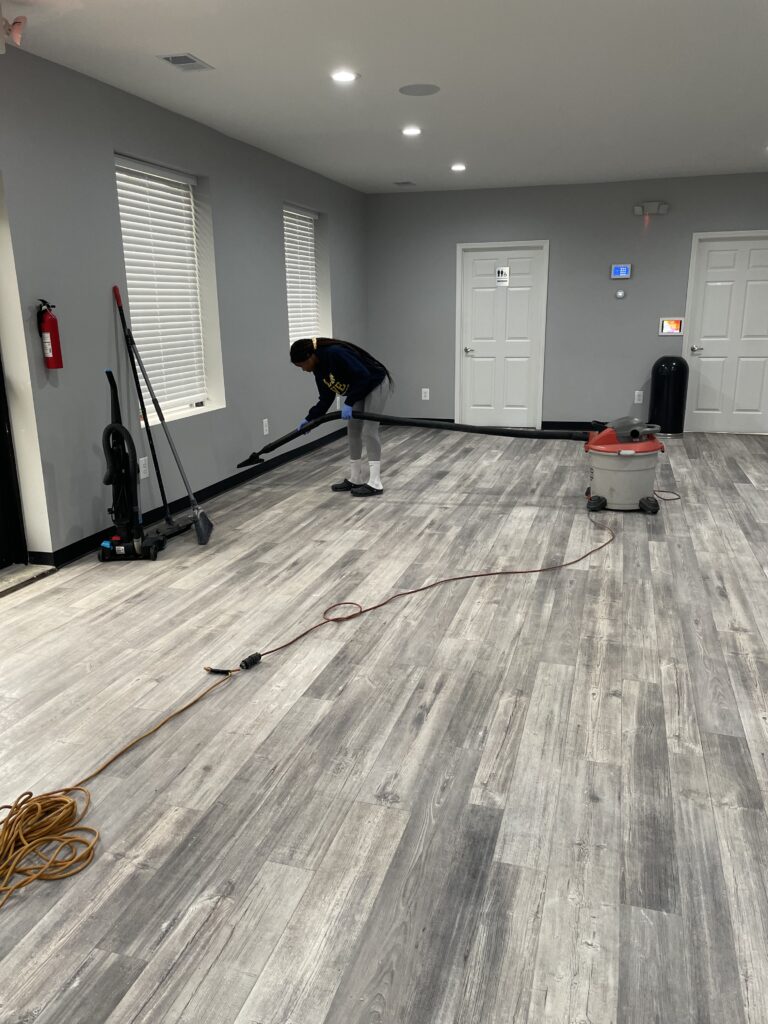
point(697, 239)
point(461, 248)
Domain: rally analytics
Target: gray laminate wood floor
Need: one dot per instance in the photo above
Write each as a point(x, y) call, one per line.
point(539, 798)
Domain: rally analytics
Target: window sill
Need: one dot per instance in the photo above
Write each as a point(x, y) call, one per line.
point(181, 414)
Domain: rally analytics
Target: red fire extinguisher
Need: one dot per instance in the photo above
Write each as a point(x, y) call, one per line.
point(48, 326)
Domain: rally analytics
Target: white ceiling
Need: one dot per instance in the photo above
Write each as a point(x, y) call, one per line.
point(532, 91)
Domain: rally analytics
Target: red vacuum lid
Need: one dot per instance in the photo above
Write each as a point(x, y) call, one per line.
point(607, 441)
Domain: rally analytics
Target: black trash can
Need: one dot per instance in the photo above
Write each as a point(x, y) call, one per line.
point(669, 388)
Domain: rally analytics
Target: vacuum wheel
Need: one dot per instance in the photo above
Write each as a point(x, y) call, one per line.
point(597, 503)
point(649, 505)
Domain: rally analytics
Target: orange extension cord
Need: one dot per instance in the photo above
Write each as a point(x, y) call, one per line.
point(41, 837)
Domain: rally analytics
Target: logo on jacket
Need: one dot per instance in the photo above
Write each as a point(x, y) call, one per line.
point(335, 385)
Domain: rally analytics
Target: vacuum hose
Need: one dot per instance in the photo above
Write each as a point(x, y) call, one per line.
point(397, 421)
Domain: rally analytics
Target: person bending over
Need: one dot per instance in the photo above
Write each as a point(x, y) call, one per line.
point(344, 369)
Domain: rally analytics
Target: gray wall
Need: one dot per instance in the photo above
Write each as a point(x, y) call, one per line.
point(598, 349)
point(58, 134)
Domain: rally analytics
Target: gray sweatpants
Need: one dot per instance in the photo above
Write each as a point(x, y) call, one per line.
point(366, 432)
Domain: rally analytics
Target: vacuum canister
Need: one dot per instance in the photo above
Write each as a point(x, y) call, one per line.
point(622, 466)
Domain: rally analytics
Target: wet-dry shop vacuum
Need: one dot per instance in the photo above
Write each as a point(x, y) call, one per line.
point(622, 466)
point(622, 455)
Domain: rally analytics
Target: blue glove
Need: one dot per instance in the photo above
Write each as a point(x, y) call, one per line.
point(302, 424)
point(346, 412)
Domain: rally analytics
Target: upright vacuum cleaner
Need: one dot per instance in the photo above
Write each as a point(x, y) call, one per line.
point(128, 541)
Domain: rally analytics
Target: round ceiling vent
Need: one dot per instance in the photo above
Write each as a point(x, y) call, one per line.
point(419, 90)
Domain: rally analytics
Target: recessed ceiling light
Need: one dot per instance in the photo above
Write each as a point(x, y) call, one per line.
point(458, 167)
point(344, 76)
point(419, 90)
point(411, 130)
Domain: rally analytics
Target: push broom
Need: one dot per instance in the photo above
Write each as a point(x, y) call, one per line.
point(202, 524)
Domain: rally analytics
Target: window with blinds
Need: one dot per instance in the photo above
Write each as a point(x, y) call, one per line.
point(301, 274)
point(159, 228)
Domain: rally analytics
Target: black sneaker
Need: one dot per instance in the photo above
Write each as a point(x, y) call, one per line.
point(366, 491)
point(345, 485)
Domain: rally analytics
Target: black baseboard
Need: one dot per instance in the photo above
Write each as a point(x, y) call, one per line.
point(70, 553)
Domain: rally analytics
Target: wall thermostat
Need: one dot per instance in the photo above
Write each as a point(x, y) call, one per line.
point(621, 271)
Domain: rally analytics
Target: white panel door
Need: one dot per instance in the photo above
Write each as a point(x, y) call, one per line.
point(501, 339)
point(728, 336)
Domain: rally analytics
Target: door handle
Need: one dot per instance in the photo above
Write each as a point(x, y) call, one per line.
point(697, 348)
point(467, 349)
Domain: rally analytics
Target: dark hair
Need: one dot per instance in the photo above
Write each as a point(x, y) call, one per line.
point(303, 348)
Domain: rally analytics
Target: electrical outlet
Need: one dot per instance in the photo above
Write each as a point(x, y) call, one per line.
point(425, 394)
point(638, 398)
point(143, 468)
point(265, 425)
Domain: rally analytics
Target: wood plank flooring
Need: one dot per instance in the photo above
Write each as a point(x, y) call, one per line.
point(528, 799)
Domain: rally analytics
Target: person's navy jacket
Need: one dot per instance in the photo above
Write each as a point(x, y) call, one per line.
point(342, 372)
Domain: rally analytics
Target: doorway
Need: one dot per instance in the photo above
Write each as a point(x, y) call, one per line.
point(13, 546)
point(727, 337)
point(500, 328)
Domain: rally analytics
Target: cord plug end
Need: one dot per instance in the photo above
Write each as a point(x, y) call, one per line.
point(250, 661)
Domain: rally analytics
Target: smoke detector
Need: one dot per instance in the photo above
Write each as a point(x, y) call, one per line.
point(185, 62)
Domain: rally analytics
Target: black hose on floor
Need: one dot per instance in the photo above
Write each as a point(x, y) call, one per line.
point(398, 421)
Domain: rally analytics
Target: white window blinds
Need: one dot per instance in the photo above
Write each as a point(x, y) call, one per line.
point(301, 274)
point(158, 223)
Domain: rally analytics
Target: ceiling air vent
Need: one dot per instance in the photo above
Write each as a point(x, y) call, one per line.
point(404, 184)
point(185, 61)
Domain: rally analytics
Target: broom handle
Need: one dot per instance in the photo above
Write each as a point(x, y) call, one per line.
point(133, 348)
point(131, 344)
